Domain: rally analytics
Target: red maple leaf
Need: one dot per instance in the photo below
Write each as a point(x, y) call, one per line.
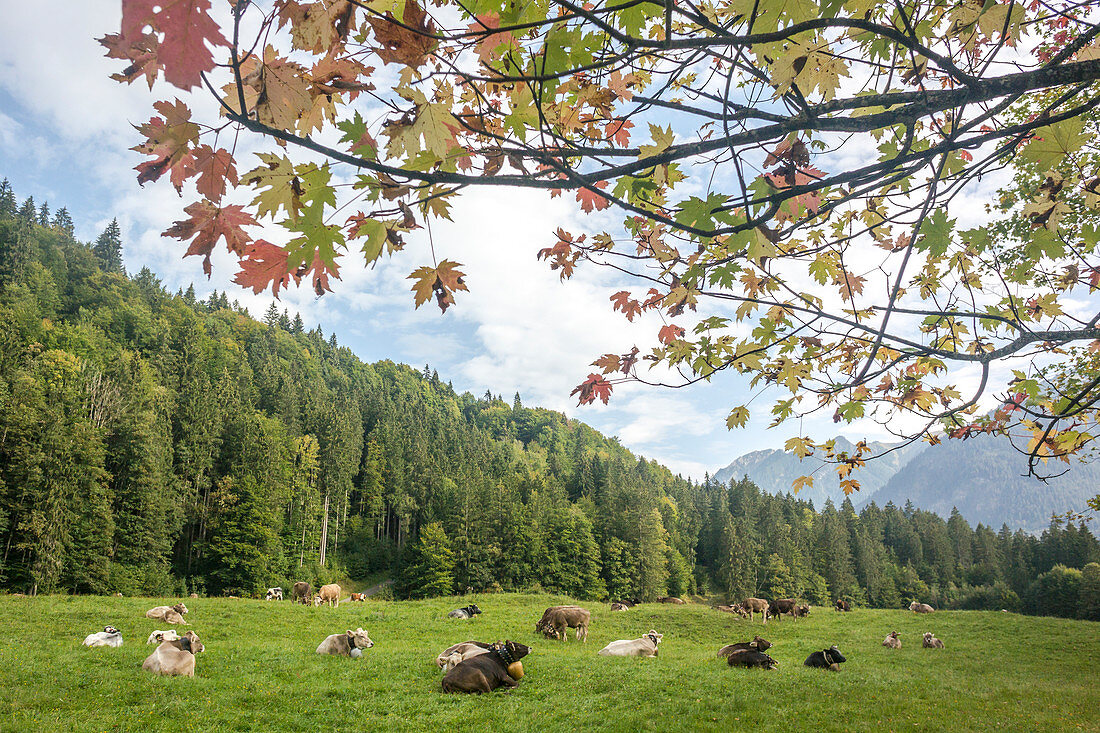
point(214, 168)
point(141, 52)
point(593, 387)
point(618, 131)
point(263, 265)
point(487, 41)
point(590, 199)
point(187, 28)
point(207, 224)
point(670, 333)
point(623, 302)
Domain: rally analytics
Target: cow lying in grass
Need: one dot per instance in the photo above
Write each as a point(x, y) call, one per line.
point(110, 636)
point(348, 644)
point(757, 643)
point(920, 607)
point(158, 636)
point(450, 657)
point(643, 647)
point(750, 658)
point(173, 658)
point(466, 612)
point(931, 642)
point(892, 641)
point(168, 614)
point(500, 667)
point(830, 658)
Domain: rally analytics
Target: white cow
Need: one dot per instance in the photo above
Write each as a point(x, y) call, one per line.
point(110, 636)
point(452, 655)
point(158, 636)
point(643, 647)
point(274, 594)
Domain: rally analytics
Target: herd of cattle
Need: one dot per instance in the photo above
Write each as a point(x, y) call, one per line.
point(479, 667)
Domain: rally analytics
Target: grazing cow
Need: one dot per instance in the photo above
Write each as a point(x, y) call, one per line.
point(110, 636)
point(168, 614)
point(801, 610)
point(300, 592)
point(464, 613)
point(892, 641)
point(456, 653)
point(556, 619)
point(757, 643)
point(755, 605)
point(175, 657)
point(274, 594)
point(931, 642)
point(842, 605)
point(616, 606)
point(643, 647)
point(500, 667)
point(330, 594)
point(671, 599)
point(826, 659)
point(920, 607)
point(780, 606)
point(346, 644)
point(158, 636)
point(751, 658)
point(358, 597)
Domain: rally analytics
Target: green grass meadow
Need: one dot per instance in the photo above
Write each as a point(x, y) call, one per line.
point(259, 672)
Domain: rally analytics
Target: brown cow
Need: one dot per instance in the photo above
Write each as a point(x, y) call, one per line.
point(842, 605)
point(931, 642)
point(892, 641)
point(780, 606)
point(920, 607)
point(168, 614)
point(301, 592)
point(330, 594)
point(175, 657)
point(671, 599)
point(756, 605)
point(757, 643)
point(450, 657)
point(486, 672)
point(556, 619)
point(358, 597)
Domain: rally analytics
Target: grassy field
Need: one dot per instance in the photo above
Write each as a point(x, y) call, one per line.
point(259, 672)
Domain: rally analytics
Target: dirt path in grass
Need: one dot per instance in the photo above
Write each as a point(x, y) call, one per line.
point(376, 588)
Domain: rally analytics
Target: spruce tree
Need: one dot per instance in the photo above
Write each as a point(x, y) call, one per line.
point(429, 567)
point(271, 316)
point(108, 248)
point(44, 215)
point(8, 204)
point(27, 213)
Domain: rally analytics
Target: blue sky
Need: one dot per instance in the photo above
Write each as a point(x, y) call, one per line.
point(65, 134)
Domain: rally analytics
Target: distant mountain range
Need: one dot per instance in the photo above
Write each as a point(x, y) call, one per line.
point(980, 476)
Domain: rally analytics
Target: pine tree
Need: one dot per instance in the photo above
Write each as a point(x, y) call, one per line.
point(296, 326)
point(271, 316)
point(8, 203)
point(108, 248)
point(44, 215)
point(429, 566)
point(189, 294)
point(27, 213)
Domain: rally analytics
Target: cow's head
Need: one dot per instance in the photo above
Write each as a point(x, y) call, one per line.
point(180, 608)
point(110, 630)
point(653, 636)
point(510, 651)
point(833, 655)
point(317, 601)
point(190, 643)
point(760, 644)
point(914, 606)
point(358, 639)
point(472, 609)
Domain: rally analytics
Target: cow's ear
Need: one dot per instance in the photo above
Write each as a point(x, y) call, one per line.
point(349, 632)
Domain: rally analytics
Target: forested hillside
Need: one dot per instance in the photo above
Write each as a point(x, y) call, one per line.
point(153, 443)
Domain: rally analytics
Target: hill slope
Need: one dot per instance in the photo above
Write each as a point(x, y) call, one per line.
point(774, 471)
point(982, 478)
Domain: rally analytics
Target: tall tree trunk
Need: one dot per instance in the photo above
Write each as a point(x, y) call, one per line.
point(324, 532)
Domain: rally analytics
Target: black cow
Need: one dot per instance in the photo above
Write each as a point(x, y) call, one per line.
point(826, 659)
point(751, 658)
point(486, 672)
point(467, 612)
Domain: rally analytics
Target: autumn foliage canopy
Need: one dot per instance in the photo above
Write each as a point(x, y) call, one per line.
point(879, 210)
